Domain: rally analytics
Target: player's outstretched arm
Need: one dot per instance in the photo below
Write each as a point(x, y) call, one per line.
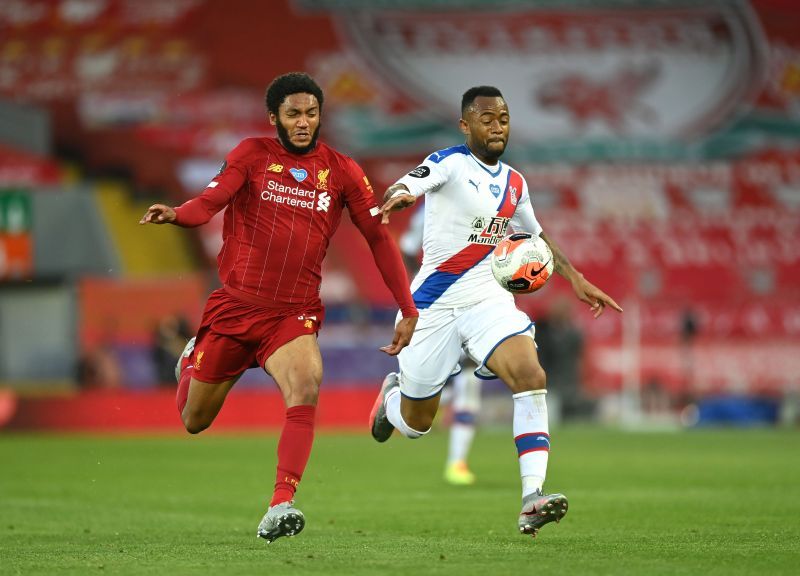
point(402, 336)
point(158, 214)
point(584, 290)
point(390, 264)
point(397, 197)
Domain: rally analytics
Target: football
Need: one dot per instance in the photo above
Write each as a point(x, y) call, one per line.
point(522, 263)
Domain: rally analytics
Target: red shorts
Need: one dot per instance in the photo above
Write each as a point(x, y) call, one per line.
point(235, 335)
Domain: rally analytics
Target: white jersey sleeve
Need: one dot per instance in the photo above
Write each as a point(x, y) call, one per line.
point(524, 220)
point(427, 177)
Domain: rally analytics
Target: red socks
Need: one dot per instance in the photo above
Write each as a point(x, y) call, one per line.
point(294, 448)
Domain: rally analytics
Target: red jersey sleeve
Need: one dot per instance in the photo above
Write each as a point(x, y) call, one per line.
point(219, 191)
point(364, 213)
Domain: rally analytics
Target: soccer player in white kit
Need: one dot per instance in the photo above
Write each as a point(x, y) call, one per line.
point(472, 199)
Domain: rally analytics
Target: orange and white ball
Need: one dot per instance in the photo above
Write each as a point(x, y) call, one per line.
point(522, 263)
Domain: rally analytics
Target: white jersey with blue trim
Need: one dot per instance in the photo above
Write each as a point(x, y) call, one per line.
point(468, 210)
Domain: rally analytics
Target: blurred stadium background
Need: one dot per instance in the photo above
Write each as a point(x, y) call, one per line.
point(660, 139)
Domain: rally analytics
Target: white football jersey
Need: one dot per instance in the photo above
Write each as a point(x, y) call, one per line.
point(468, 210)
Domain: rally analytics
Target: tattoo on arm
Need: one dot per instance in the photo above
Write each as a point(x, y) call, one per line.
point(561, 264)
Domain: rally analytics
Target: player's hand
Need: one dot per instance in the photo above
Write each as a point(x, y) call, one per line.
point(158, 214)
point(402, 336)
point(593, 296)
point(393, 204)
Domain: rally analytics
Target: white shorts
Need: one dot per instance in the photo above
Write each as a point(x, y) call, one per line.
point(441, 334)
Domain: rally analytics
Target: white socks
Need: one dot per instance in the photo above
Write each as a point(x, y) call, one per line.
point(532, 437)
point(392, 403)
point(461, 436)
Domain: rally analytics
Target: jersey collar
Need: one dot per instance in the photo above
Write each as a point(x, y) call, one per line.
point(493, 171)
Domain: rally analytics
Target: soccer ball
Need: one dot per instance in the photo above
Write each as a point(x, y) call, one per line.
point(522, 263)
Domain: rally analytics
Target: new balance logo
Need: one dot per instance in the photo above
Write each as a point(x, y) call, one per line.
point(323, 202)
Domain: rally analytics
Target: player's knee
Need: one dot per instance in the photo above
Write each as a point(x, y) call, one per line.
point(304, 398)
point(193, 427)
point(303, 393)
point(194, 422)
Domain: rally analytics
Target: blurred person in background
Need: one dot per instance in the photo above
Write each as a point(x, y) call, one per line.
point(170, 338)
point(689, 331)
point(284, 199)
point(465, 389)
point(560, 348)
point(465, 404)
point(99, 367)
point(472, 199)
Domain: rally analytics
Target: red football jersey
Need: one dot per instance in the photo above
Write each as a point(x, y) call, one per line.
point(282, 210)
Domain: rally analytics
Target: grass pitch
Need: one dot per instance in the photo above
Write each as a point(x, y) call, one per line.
point(700, 502)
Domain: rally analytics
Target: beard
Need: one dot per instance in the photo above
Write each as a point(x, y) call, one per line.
point(493, 153)
point(483, 150)
point(283, 136)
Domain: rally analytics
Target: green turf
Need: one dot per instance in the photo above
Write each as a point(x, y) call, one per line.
point(701, 502)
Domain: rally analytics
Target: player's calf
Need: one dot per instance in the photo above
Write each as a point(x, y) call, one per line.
point(387, 412)
point(417, 419)
point(203, 403)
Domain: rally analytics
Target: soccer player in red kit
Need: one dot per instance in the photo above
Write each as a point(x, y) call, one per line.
point(284, 198)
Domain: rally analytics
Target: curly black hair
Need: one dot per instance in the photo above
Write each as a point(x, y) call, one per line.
point(291, 83)
point(469, 96)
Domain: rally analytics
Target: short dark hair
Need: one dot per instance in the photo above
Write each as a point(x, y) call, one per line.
point(469, 96)
point(291, 83)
